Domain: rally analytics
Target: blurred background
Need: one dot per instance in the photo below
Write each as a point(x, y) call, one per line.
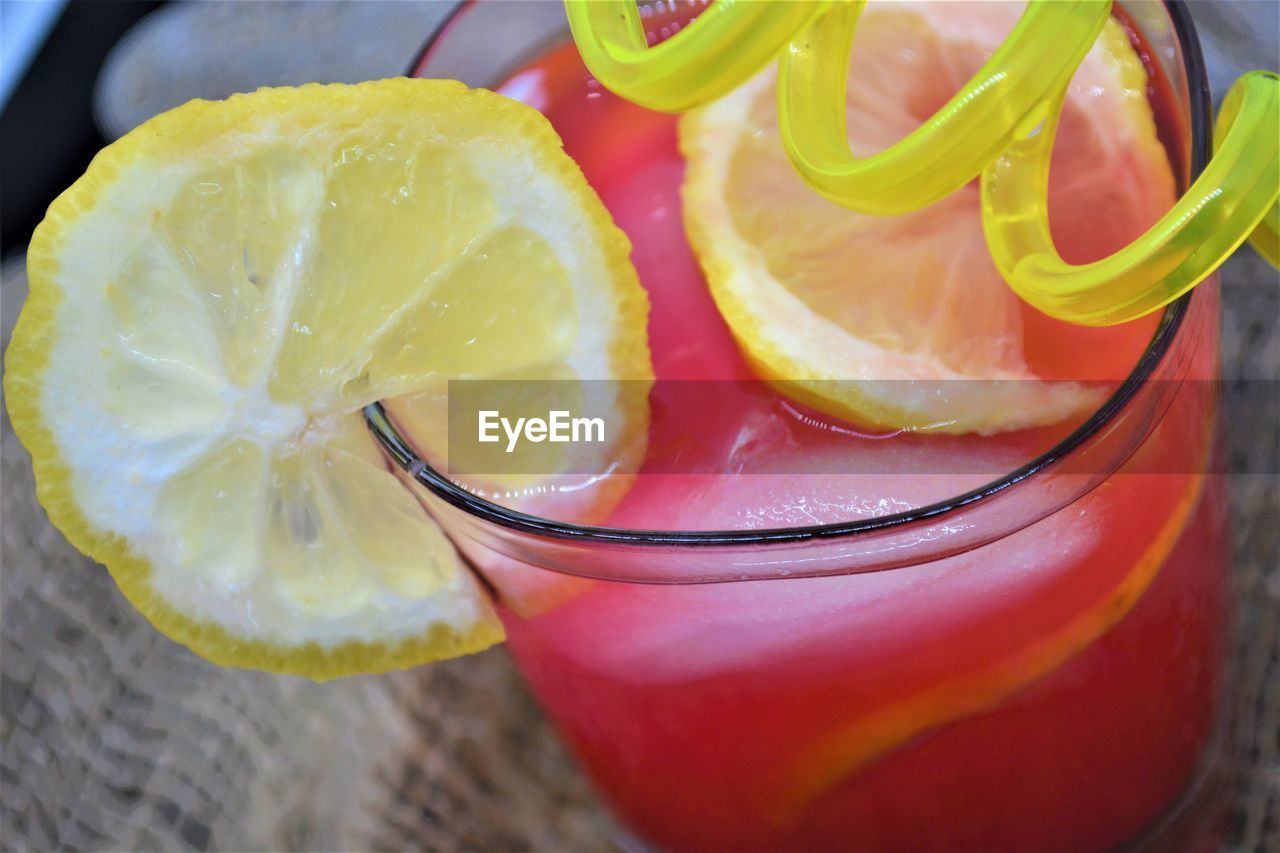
point(112, 737)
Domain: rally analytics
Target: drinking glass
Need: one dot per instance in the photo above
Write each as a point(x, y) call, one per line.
point(1036, 663)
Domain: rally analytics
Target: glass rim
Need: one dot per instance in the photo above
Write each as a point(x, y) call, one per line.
point(1199, 151)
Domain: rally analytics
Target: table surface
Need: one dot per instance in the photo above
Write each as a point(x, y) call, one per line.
point(111, 736)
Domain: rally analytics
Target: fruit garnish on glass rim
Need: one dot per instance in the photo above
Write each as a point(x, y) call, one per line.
point(226, 287)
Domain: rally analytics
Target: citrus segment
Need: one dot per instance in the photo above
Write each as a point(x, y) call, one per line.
point(842, 754)
point(214, 302)
point(837, 301)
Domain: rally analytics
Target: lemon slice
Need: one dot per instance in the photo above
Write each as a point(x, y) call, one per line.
point(226, 287)
point(888, 321)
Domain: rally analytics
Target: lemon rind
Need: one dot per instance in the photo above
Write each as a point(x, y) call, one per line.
point(27, 360)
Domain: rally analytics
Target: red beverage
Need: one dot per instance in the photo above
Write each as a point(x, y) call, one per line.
point(1056, 686)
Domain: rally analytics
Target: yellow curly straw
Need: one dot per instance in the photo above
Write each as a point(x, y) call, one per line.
point(719, 51)
point(952, 147)
point(1230, 199)
point(1000, 124)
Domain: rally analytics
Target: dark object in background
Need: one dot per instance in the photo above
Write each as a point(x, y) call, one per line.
point(47, 134)
point(215, 48)
point(104, 70)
